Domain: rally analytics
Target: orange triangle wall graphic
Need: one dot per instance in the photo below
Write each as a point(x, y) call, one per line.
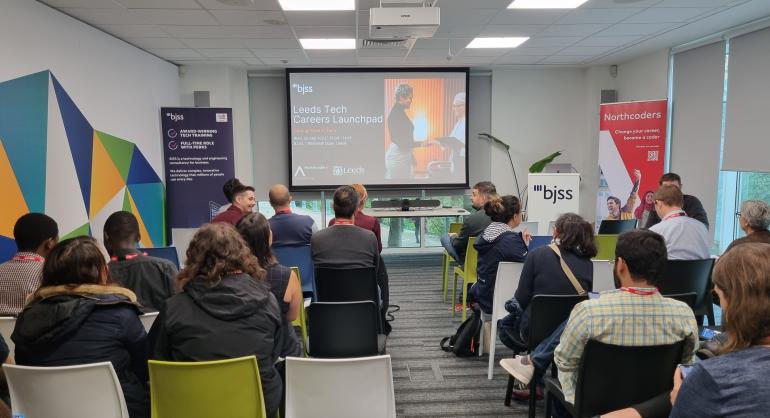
point(145, 240)
point(106, 180)
point(13, 205)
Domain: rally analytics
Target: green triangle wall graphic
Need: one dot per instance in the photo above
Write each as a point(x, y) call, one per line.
point(126, 201)
point(120, 152)
point(78, 232)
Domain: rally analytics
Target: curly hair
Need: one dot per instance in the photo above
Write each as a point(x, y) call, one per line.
point(217, 250)
point(576, 234)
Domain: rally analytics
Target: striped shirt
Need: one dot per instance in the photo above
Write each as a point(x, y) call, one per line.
point(18, 278)
point(632, 317)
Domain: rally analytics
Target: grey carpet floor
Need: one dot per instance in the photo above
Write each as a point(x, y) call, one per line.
point(428, 381)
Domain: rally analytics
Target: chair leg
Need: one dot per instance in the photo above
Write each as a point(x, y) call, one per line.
point(532, 397)
point(465, 299)
point(454, 294)
point(509, 391)
point(445, 275)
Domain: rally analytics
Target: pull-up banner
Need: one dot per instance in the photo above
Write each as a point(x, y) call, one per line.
point(632, 146)
point(198, 149)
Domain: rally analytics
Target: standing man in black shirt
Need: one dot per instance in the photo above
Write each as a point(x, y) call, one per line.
point(692, 206)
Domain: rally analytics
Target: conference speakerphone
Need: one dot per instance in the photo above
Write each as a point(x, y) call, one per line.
point(406, 204)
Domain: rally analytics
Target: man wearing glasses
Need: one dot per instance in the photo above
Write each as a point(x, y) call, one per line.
point(686, 238)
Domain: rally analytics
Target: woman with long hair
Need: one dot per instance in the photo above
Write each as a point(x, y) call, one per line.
point(225, 309)
point(643, 211)
point(79, 316)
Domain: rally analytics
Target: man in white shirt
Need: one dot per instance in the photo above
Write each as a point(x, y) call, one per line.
point(686, 238)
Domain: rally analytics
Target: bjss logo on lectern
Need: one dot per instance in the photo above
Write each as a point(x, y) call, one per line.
point(553, 194)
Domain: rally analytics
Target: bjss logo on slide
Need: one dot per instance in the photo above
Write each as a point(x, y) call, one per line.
point(553, 194)
point(302, 89)
point(176, 117)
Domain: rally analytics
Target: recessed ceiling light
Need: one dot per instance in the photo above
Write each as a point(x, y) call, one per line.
point(508, 42)
point(546, 4)
point(294, 5)
point(328, 43)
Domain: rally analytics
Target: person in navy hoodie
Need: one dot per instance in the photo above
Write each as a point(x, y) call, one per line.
point(499, 242)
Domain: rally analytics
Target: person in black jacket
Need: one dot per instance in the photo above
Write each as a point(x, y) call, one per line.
point(225, 310)
point(497, 243)
point(692, 206)
point(78, 316)
point(399, 160)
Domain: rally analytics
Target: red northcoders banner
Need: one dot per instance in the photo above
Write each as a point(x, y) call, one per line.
point(632, 143)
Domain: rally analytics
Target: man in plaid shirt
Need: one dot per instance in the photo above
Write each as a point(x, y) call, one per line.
point(635, 314)
point(35, 235)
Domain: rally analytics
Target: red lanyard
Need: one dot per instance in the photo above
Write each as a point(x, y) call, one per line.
point(640, 292)
point(29, 258)
point(282, 211)
point(674, 215)
point(338, 221)
point(130, 256)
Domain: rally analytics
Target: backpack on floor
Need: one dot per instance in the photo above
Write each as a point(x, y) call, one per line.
point(465, 341)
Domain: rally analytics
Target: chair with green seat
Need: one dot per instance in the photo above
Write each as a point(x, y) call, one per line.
point(224, 388)
point(301, 320)
point(454, 228)
point(468, 273)
point(605, 245)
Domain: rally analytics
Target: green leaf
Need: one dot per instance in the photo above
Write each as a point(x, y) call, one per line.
point(538, 166)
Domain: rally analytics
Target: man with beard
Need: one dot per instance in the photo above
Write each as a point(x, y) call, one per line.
point(473, 225)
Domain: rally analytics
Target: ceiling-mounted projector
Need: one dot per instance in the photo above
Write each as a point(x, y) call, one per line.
point(403, 22)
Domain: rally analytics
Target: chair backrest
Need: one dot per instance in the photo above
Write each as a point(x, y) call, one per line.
point(455, 227)
point(688, 276)
point(166, 253)
point(688, 298)
point(300, 256)
point(148, 319)
point(7, 324)
point(603, 278)
point(340, 388)
point(471, 260)
point(529, 226)
point(616, 227)
point(343, 329)
point(82, 391)
point(225, 388)
point(539, 241)
point(612, 377)
point(605, 244)
point(508, 275)
point(346, 285)
point(548, 312)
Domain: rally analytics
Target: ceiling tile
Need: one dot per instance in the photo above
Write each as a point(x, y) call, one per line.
point(538, 41)
point(483, 52)
point(322, 18)
point(696, 3)
point(606, 4)
point(381, 52)
point(459, 30)
point(580, 16)
point(279, 53)
point(134, 31)
point(225, 52)
point(432, 43)
point(586, 50)
point(334, 62)
point(528, 17)
point(159, 4)
point(325, 31)
point(474, 60)
point(566, 59)
point(639, 29)
point(271, 43)
point(466, 4)
point(261, 31)
point(289, 61)
point(252, 61)
point(95, 4)
point(573, 30)
point(258, 5)
point(454, 17)
point(176, 53)
point(429, 53)
point(152, 43)
point(142, 16)
point(185, 31)
point(608, 40)
point(379, 61)
point(213, 43)
point(330, 53)
point(247, 18)
point(668, 14)
point(512, 30)
point(519, 59)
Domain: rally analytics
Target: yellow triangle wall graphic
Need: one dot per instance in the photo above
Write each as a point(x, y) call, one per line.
point(105, 178)
point(145, 240)
point(13, 205)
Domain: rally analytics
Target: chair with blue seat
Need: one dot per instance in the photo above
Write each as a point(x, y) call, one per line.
point(223, 388)
point(300, 256)
point(468, 273)
point(454, 228)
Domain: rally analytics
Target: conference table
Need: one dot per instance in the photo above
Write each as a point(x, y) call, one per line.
point(441, 212)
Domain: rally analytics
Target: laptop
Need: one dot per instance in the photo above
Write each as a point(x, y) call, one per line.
point(539, 241)
point(166, 253)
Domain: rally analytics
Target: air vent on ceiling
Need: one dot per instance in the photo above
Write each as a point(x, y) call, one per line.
point(388, 43)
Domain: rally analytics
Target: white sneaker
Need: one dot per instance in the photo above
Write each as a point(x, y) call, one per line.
point(519, 367)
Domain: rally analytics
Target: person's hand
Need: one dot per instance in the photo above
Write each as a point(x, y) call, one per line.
point(677, 384)
point(638, 174)
point(452, 234)
point(527, 236)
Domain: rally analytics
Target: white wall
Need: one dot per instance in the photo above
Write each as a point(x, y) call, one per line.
point(644, 78)
point(118, 87)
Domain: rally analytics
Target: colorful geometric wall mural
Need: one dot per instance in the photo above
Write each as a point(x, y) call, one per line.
point(53, 161)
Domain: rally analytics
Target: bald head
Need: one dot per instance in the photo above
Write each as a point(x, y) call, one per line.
point(279, 196)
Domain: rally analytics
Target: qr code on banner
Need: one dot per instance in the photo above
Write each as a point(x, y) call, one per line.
point(652, 155)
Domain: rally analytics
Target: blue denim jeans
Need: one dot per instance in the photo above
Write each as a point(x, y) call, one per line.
point(446, 242)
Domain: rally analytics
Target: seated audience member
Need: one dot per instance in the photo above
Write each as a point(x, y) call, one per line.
point(284, 284)
point(690, 204)
point(288, 228)
point(35, 235)
point(615, 211)
point(78, 316)
point(343, 245)
point(242, 199)
point(686, 238)
point(754, 219)
point(225, 310)
point(635, 314)
point(543, 274)
point(361, 219)
point(473, 225)
point(150, 278)
point(499, 242)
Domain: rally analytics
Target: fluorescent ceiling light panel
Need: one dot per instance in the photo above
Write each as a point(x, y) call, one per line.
point(294, 5)
point(545, 4)
point(328, 43)
point(509, 42)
